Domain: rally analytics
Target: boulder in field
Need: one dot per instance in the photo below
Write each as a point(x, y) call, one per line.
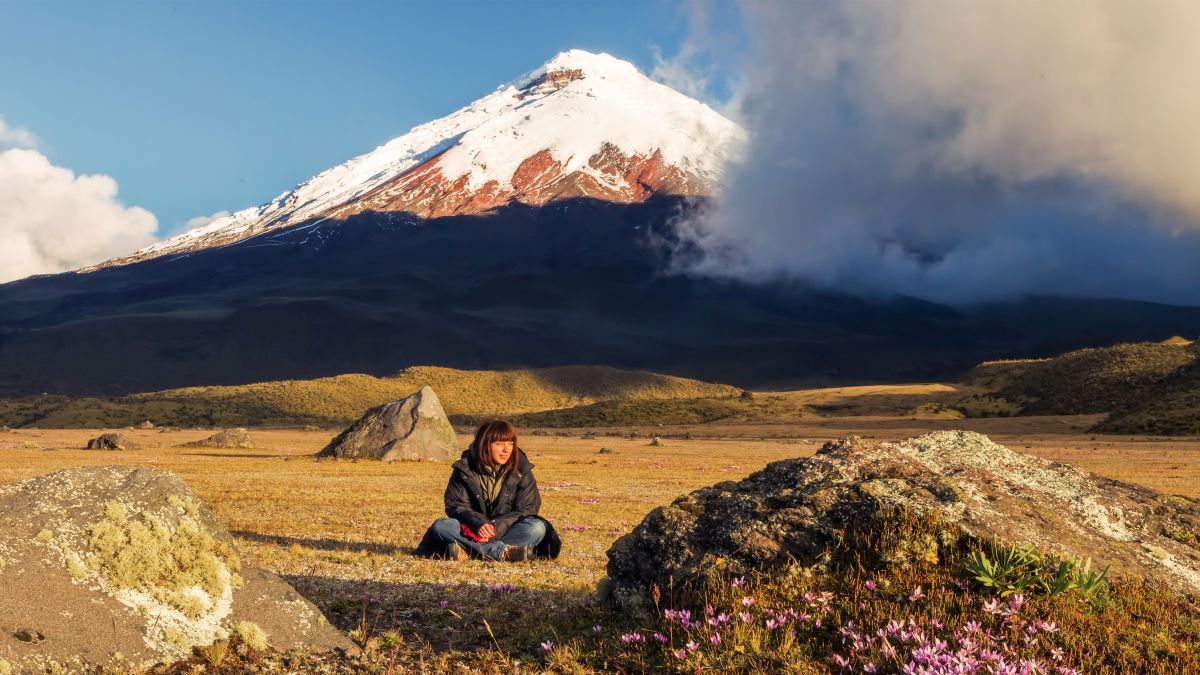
point(412, 428)
point(100, 561)
point(111, 442)
point(802, 511)
point(146, 424)
point(237, 438)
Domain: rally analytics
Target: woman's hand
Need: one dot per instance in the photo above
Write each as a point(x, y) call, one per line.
point(486, 532)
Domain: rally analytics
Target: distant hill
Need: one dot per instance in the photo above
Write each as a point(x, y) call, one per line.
point(1171, 408)
point(1149, 387)
point(338, 400)
point(1089, 381)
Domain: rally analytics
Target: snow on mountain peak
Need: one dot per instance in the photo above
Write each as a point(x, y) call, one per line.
point(582, 124)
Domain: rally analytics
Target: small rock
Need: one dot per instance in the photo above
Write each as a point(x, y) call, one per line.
point(656, 442)
point(237, 438)
point(28, 635)
point(605, 451)
point(146, 424)
point(111, 442)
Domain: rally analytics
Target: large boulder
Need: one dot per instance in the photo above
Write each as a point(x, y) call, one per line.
point(237, 438)
point(111, 442)
point(413, 428)
point(851, 500)
point(96, 562)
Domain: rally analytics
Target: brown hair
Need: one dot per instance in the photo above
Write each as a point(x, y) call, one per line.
point(492, 432)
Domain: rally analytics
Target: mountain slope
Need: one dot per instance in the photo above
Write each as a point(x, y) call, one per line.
point(532, 228)
point(582, 125)
point(573, 282)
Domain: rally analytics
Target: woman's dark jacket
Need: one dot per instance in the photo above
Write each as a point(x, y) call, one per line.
point(518, 499)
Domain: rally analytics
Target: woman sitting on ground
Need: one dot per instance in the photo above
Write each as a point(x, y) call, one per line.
point(492, 502)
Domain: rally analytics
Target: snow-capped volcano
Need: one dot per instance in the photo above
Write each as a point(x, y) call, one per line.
point(582, 125)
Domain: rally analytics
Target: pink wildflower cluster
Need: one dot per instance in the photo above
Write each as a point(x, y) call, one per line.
point(1000, 642)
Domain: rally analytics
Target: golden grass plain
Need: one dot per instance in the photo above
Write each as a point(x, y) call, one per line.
point(341, 532)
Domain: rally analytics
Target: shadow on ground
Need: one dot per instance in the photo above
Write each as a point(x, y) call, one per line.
point(322, 544)
point(237, 455)
point(463, 618)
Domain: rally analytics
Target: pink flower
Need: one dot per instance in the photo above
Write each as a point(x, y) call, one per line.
point(692, 645)
point(738, 582)
point(715, 638)
point(660, 638)
point(547, 646)
point(745, 617)
point(870, 585)
point(747, 601)
point(916, 595)
point(633, 638)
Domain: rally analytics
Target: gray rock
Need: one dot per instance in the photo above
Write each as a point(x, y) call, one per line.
point(843, 505)
point(111, 442)
point(107, 560)
point(412, 428)
point(227, 438)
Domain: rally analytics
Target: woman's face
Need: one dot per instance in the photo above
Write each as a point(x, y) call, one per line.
point(501, 451)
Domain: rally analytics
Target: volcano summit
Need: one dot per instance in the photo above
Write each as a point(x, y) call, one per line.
point(582, 125)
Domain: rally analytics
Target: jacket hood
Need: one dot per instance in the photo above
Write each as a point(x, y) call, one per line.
point(463, 463)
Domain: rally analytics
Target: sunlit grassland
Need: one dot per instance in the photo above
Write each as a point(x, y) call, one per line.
point(341, 532)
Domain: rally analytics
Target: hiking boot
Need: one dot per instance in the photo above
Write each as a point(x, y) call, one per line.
point(517, 554)
point(456, 552)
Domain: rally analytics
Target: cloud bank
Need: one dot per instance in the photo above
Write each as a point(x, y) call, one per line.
point(52, 220)
point(15, 137)
point(966, 151)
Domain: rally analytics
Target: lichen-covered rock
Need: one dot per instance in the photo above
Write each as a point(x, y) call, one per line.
point(412, 428)
point(237, 438)
point(123, 560)
point(111, 442)
point(851, 500)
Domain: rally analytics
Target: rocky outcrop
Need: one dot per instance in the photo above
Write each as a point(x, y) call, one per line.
point(612, 175)
point(960, 483)
point(550, 81)
point(111, 442)
point(96, 562)
point(412, 428)
point(237, 438)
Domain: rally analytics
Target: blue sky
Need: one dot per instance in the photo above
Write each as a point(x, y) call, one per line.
point(199, 107)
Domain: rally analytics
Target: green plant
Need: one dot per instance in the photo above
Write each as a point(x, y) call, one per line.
point(1009, 569)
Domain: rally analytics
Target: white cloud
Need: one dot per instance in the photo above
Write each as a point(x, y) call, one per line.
point(52, 220)
point(201, 221)
point(965, 150)
point(16, 137)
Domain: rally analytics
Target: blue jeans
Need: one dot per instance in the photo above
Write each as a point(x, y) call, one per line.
point(527, 532)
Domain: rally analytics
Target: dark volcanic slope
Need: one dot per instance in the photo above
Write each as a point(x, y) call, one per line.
point(572, 282)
